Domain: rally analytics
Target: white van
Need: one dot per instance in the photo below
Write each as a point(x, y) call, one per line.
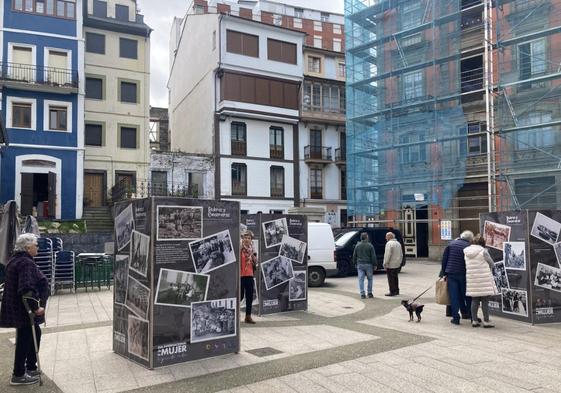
point(321, 253)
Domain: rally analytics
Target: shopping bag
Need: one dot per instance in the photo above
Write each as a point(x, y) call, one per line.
point(441, 292)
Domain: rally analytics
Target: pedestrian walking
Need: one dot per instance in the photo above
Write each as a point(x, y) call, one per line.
point(480, 283)
point(393, 256)
point(247, 270)
point(24, 279)
point(454, 270)
point(364, 258)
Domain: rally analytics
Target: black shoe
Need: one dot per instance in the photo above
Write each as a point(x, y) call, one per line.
point(23, 380)
point(455, 321)
point(33, 373)
point(466, 316)
point(390, 294)
point(362, 297)
point(370, 295)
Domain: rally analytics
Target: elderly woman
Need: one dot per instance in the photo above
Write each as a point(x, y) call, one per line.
point(23, 278)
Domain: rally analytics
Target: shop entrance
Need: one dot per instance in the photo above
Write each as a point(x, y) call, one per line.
point(38, 190)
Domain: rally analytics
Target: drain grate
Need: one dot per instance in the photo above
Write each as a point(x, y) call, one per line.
point(263, 352)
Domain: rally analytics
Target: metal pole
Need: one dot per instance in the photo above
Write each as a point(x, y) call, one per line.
point(489, 107)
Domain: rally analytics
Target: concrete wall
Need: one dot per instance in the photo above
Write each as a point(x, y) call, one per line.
point(85, 242)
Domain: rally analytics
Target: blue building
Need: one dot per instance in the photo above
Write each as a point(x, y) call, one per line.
point(42, 106)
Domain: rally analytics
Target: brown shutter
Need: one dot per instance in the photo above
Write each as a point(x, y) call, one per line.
point(262, 91)
point(233, 42)
point(274, 50)
point(231, 86)
point(290, 95)
point(277, 94)
point(250, 45)
point(289, 52)
point(247, 92)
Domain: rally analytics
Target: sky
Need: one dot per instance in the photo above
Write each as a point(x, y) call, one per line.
point(159, 18)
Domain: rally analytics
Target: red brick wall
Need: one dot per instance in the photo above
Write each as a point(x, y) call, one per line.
point(223, 8)
point(246, 13)
point(266, 17)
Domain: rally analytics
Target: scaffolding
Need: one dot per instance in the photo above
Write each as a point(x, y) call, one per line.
point(453, 108)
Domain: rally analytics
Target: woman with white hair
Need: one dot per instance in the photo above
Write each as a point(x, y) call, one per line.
point(23, 278)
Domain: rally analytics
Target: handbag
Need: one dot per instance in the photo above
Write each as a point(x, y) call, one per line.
point(441, 292)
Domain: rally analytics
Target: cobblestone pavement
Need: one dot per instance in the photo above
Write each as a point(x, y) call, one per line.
point(342, 344)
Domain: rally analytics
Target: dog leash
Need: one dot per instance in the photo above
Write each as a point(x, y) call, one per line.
point(422, 293)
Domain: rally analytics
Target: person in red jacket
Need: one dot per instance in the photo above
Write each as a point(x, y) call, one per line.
point(248, 264)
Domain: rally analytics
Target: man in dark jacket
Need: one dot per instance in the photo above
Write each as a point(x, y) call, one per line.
point(454, 269)
point(364, 257)
point(23, 278)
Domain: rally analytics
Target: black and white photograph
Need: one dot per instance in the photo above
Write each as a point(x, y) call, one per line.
point(139, 252)
point(214, 319)
point(499, 273)
point(548, 277)
point(255, 296)
point(120, 274)
point(495, 234)
point(180, 223)
point(514, 302)
point(557, 249)
point(138, 337)
point(514, 255)
point(292, 249)
point(180, 289)
point(124, 225)
point(273, 231)
point(212, 252)
point(546, 229)
point(297, 286)
point(138, 298)
point(276, 271)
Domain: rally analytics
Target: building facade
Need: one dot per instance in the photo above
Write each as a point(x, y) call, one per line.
point(42, 94)
point(453, 110)
point(239, 106)
point(117, 109)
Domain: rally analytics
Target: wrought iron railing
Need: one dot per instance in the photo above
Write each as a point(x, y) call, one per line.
point(39, 75)
point(276, 151)
point(316, 192)
point(239, 148)
point(143, 189)
point(340, 154)
point(312, 152)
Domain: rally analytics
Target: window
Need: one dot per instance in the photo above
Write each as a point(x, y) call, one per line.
point(337, 29)
point(277, 181)
point(128, 49)
point(297, 23)
point(242, 44)
point(21, 115)
point(312, 96)
point(341, 70)
point(50, 7)
point(18, 5)
point(314, 64)
point(199, 9)
point(100, 9)
point(94, 88)
point(22, 59)
point(411, 40)
point(316, 183)
point(60, 8)
point(238, 139)
point(343, 184)
point(317, 41)
point(337, 44)
point(277, 20)
point(476, 139)
point(284, 52)
point(276, 142)
point(411, 14)
point(128, 92)
point(128, 137)
point(538, 137)
point(298, 12)
point(95, 43)
point(28, 5)
point(214, 40)
point(317, 26)
point(415, 149)
point(58, 72)
point(323, 97)
point(58, 118)
point(159, 183)
point(331, 95)
point(40, 6)
point(532, 58)
point(324, 16)
point(94, 134)
point(239, 179)
point(122, 12)
point(413, 85)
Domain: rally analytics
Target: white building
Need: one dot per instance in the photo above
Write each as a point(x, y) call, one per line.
point(234, 97)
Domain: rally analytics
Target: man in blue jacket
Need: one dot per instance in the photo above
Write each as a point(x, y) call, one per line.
point(454, 269)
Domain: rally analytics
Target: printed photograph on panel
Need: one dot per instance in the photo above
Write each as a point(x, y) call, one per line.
point(514, 255)
point(139, 252)
point(557, 249)
point(273, 231)
point(297, 286)
point(180, 223)
point(499, 273)
point(292, 249)
point(548, 277)
point(495, 234)
point(180, 289)
point(515, 302)
point(138, 337)
point(213, 319)
point(124, 225)
point(545, 229)
point(120, 274)
point(212, 252)
point(138, 298)
point(276, 271)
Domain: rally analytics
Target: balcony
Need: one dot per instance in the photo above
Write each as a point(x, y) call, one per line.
point(317, 154)
point(239, 188)
point(316, 192)
point(40, 78)
point(340, 156)
point(276, 151)
point(239, 148)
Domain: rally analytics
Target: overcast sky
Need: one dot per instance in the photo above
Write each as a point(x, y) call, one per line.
point(159, 18)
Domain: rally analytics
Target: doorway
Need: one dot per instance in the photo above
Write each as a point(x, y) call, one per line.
point(94, 189)
point(38, 193)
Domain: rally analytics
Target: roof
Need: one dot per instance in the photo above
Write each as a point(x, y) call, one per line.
point(135, 28)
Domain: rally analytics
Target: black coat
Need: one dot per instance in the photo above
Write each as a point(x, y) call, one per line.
point(22, 276)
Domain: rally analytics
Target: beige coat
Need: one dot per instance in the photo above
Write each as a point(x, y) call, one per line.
point(393, 254)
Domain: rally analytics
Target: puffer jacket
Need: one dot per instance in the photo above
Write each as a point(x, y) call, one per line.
point(479, 278)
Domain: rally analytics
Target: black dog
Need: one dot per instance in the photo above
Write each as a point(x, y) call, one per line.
point(413, 308)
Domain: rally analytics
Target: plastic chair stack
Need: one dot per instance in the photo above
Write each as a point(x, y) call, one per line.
point(45, 260)
point(64, 270)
